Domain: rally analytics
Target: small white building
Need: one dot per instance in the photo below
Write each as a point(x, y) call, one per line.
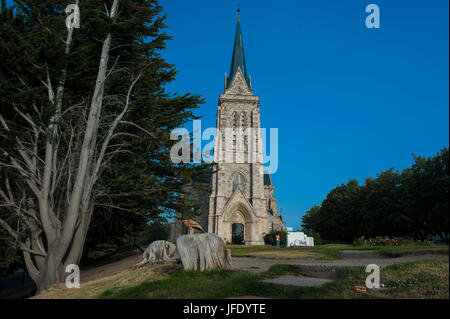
point(309, 241)
point(299, 239)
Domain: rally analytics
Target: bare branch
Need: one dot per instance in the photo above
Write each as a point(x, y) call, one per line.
point(48, 85)
point(31, 251)
point(29, 120)
point(112, 129)
point(139, 127)
point(3, 122)
point(9, 229)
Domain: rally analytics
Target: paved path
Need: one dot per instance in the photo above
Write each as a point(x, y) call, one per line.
point(350, 258)
point(298, 281)
point(316, 272)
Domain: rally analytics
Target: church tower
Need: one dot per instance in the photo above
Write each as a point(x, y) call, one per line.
point(242, 207)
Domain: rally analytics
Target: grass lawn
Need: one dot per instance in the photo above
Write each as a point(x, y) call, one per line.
point(287, 253)
point(422, 279)
point(329, 251)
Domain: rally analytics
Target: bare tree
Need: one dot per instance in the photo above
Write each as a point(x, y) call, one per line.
point(50, 181)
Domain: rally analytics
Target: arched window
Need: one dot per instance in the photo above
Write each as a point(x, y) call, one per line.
point(234, 120)
point(243, 125)
point(243, 120)
point(235, 123)
point(238, 182)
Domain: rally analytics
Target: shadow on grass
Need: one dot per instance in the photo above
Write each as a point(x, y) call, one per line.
point(217, 284)
point(423, 279)
point(194, 285)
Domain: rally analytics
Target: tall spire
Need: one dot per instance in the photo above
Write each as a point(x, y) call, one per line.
point(238, 59)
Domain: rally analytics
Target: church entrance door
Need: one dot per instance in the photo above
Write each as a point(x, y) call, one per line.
point(237, 232)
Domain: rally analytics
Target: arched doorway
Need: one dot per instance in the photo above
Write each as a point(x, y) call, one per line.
point(238, 213)
point(237, 234)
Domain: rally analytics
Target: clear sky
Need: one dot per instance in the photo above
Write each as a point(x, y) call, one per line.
point(348, 101)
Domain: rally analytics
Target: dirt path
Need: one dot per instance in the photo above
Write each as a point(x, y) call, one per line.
point(111, 266)
point(350, 258)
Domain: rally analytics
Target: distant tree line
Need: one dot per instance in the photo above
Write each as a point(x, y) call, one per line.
point(411, 203)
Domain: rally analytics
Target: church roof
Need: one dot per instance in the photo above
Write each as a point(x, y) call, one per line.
point(238, 59)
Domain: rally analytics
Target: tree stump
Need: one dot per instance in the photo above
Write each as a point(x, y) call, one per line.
point(203, 252)
point(157, 252)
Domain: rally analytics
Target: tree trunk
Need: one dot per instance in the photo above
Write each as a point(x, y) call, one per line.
point(65, 240)
point(203, 252)
point(157, 252)
point(52, 273)
point(61, 180)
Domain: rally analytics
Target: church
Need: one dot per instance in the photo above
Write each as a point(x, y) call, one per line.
point(240, 204)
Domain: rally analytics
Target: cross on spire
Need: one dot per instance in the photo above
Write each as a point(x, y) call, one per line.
point(238, 59)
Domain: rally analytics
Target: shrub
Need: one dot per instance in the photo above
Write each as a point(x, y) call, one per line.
point(317, 239)
point(385, 241)
point(269, 239)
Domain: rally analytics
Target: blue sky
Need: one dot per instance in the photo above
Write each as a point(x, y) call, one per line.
point(348, 101)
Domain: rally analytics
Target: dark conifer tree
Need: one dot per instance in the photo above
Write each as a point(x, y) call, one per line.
point(60, 94)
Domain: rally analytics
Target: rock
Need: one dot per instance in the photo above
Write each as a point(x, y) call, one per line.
point(157, 252)
point(203, 252)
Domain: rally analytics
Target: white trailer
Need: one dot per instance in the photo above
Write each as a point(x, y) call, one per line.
point(299, 239)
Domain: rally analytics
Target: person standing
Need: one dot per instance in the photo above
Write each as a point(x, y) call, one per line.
point(277, 238)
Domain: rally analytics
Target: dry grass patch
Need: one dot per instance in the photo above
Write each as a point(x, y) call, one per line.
point(121, 280)
point(271, 252)
point(427, 279)
point(285, 254)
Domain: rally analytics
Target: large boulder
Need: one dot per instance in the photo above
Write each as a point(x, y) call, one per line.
point(158, 251)
point(203, 252)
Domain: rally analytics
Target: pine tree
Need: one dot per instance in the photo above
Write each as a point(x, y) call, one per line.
point(85, 123)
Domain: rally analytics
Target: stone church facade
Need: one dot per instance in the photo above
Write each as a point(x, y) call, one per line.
point(241, 206)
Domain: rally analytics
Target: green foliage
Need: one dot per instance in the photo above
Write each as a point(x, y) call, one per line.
point(412, 203)
point(309, 219)
point(153, 231)
point(270, 238)
point(425, 196)
point(381, 209)
point(317, 239)
point(9, 253)
point(140, 183)
point(340, 213)
point(382, 241)
point(110, 231)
